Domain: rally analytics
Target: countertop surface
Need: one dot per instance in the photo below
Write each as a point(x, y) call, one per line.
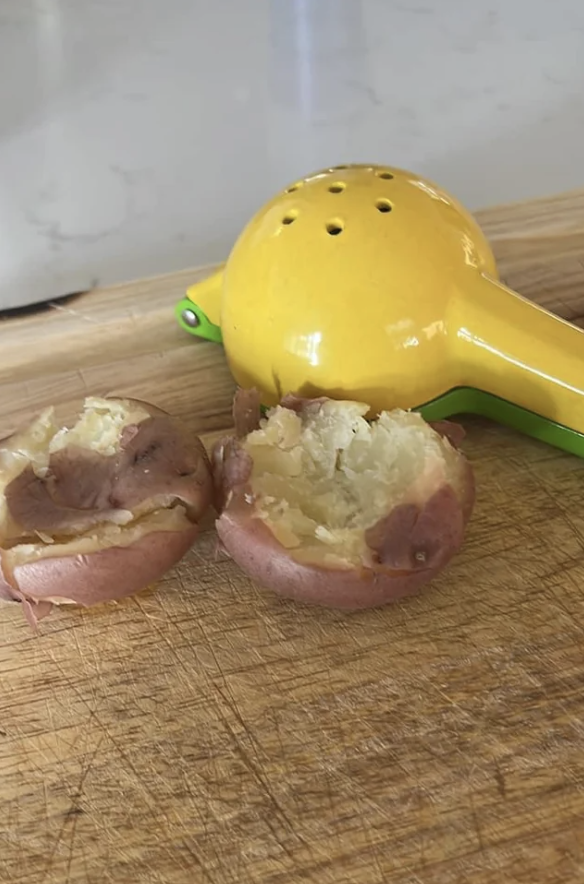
point(205, 732)
point(137, 137)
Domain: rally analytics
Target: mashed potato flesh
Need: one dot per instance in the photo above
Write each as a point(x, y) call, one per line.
point(322, 478)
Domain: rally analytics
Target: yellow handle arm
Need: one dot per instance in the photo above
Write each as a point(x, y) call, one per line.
point(510, 347)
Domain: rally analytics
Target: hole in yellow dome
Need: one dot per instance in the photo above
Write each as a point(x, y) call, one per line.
point(290, 217)
point(386, 175)
point(337, 187)
point(383, 205)
point(334, 227)
point(294, 187)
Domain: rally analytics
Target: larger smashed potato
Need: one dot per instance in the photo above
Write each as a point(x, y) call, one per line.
point(324, 507)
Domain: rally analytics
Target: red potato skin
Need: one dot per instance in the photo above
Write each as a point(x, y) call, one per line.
point(113, 573)
point(440, 527)
point(412, 545)
point(108, 574)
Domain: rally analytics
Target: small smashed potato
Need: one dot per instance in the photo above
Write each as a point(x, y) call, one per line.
point(97, 511)
point(324, 507)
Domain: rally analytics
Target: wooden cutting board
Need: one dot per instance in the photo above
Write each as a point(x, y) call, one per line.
point(206, 732)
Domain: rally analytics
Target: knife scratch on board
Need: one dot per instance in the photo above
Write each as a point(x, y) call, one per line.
point(71, 816)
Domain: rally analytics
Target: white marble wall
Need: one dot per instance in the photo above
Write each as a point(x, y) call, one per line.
point(137, 136)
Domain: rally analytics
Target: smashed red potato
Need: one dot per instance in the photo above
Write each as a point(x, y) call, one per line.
point(321, 506)
point(316, 503)
point(98, 511)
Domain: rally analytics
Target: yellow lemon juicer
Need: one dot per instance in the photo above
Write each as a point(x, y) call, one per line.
point(371, 283)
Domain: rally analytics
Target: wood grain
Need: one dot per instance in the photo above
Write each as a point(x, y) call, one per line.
point(205, 732)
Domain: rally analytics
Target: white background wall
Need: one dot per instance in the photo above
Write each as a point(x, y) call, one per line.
point(137, 136)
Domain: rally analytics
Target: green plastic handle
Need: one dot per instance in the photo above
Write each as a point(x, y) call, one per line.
point(192, 320)
point(466, 400)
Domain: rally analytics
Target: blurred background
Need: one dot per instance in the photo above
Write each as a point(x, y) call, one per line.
point(138, 136)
